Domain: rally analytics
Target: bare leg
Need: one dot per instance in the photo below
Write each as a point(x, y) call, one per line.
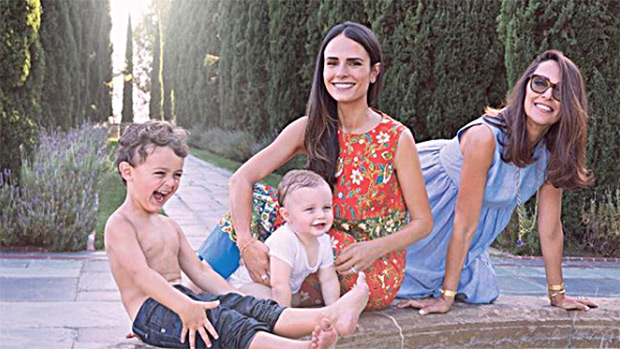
point(343, 314)
point(256, 290)
point(324, 336)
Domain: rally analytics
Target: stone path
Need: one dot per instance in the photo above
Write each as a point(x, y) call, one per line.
point(69, 300)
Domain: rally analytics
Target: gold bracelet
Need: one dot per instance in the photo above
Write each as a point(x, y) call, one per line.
point(246, 245)
point(447, 293)
point(557, 293)
point(559, 287)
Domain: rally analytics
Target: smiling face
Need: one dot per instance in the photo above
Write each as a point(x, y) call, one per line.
point(347, 73)
point(151, 183)
point(309, 210)
point(542, 109)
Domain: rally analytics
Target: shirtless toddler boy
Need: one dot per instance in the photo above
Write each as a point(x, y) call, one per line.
point(147, 252)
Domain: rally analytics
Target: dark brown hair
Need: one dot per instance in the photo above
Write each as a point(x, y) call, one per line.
point(139, 140)
point(565, 140)
point(297, 179)
point(321, 138)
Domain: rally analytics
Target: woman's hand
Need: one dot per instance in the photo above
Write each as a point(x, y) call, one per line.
point(256, 259)
point(571, 303)
point(428, 305)
point(357, 257)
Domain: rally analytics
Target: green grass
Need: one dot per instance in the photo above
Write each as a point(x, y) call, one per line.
point(111, 196)
point(221, 162)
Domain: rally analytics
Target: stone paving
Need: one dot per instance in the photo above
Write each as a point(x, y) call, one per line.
point(69, 300)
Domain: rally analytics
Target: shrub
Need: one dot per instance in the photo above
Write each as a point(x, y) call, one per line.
point(507, 239)
point(233, 145)
point(56, 203)
point(601, 222)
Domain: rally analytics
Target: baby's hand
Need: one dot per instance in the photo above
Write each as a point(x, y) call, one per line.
point(194, 319)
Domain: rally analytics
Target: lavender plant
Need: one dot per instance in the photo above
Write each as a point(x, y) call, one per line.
point(57, 197)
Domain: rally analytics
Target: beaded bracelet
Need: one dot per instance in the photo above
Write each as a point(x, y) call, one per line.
point(447, 293)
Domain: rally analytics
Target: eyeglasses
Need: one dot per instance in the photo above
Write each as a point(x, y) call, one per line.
point(540, 84)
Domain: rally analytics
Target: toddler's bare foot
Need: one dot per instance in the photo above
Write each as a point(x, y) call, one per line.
point(324, 335)
point(346, 311)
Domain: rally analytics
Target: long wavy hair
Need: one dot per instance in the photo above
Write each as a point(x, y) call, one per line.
point(565, 140)
point(321, 137)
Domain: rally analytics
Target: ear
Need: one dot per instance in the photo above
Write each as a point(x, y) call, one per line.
point(126, 171)
point(284, 213)
point(375, 70)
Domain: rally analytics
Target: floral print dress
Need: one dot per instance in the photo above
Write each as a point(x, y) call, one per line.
point(368, 204)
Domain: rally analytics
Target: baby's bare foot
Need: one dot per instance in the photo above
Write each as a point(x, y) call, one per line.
point(346, 311)
point(324, 335)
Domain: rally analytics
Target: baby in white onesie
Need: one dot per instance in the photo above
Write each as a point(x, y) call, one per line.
point(301, 246)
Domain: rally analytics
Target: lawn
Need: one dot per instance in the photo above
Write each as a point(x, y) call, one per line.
point(111, 196)
point(272, 180)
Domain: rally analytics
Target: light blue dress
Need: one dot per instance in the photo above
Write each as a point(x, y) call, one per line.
point(441, 166)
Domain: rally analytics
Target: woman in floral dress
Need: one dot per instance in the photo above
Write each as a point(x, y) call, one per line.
point(380, 203)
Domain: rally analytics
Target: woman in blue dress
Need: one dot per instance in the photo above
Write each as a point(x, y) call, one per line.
point(537, 143)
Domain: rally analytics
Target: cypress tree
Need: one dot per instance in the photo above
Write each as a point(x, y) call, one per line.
point(127, 112)
point(156, 104)
point(61, 65)
point(257, 38)
point(100, 82)
point(286, 97)
point(226, 10)
point(588, 32)
point(20, 80)
point(239, 70)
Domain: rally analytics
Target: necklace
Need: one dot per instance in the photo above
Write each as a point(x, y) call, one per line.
point(522, 211)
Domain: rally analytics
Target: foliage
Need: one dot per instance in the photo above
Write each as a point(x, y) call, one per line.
point(588, 32)
point(601, 220)
point(111, 195)
point(55, 205)
point(234, 145)
point(20, 80)
point(128, 80)
point(55, 66)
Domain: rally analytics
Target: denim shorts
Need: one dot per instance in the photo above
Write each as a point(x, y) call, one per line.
point(236, 320)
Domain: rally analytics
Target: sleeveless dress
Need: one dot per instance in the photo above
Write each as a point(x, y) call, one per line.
point(441, 162)
point(368, 204)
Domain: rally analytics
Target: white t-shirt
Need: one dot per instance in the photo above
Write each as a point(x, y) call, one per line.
point(286, 246)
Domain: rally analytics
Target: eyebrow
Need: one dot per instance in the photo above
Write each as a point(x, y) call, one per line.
point(546, 77)
point(350, 59)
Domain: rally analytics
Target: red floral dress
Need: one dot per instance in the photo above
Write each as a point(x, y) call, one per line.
point(368, 204)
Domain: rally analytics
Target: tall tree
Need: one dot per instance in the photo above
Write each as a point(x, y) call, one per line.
point(156, 104)
point(61, 65)
point(257, 39)
point(127, 112)
point(286, 98)
point(21, 65)
point(100, 82)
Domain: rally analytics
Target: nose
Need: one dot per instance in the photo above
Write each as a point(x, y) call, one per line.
point(342, 70)
point(548, 94)
point(171, 181)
